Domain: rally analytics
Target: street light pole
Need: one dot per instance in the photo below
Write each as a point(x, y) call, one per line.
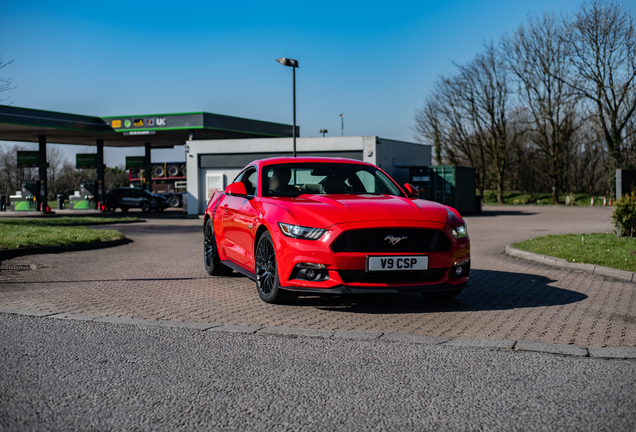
point(341, 124)
point(293, 64)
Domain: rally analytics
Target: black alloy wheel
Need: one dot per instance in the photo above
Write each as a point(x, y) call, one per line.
point(267, 282)
point(213, 264)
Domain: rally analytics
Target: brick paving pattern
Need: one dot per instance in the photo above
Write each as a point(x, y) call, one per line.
point(160, 276)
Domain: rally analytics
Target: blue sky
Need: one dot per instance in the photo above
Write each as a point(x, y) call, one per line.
point(373, 61)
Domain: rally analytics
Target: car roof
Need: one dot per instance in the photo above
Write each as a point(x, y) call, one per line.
point(289, 160)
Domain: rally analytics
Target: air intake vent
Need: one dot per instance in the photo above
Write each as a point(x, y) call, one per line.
point(383, 240)
point(360, 276)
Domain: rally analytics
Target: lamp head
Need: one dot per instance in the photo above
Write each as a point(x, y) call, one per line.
point(287, 62)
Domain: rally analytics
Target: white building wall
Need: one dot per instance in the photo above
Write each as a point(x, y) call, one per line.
point(394, 157)
point(387, 154)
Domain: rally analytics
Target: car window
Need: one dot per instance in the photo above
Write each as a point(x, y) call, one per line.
point(238, 177)
point(326, 178)
point(250, 179)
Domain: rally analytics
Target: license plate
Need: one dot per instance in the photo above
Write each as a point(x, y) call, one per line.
point(397, 263)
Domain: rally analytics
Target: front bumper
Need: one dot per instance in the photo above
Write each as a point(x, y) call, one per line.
point(344, 289)
point(345, 271)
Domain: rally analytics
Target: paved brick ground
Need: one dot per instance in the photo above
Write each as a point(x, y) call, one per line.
point(160, 276)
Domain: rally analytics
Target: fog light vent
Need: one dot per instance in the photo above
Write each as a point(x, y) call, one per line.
point(310, 272)
point(460, 269)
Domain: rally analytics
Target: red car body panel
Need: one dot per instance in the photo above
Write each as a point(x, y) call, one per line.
point(238, 222)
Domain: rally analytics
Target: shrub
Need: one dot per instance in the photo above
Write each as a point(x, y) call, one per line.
point(624, 215)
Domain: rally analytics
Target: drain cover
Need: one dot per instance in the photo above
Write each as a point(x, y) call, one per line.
point(18, 267)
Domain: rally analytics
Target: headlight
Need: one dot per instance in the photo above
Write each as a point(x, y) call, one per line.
point(460, 231)
point(301, 232)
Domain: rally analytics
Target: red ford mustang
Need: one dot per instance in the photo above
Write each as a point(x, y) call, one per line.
point(328, 225)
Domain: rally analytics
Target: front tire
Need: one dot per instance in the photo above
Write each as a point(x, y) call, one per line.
point(267, 281)
point(124, 209)
point(211, 260)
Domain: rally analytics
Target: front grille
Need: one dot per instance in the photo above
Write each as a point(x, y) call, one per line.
point(375, 241)
point(360, 276)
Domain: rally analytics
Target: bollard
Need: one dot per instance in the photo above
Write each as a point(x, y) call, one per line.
point(592, 201)
point(60, 201)
point(3, 202)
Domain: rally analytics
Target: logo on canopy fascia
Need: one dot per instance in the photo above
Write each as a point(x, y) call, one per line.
point(139, 123)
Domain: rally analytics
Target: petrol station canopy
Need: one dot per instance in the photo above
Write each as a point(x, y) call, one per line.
point(159, 130)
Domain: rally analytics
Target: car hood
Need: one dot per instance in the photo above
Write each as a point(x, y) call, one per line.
point(322, 211)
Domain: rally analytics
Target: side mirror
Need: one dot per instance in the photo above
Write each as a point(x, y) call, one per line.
point(237, 188)
point(411, 190)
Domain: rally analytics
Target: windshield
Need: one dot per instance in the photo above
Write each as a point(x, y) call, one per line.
point(326, 178)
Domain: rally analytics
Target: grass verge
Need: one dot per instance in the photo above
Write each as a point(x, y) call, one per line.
point(599, 249)
point(67, 220)
point(525, 198)
point(15, 233)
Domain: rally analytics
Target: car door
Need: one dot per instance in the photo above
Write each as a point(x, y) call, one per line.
point(127, 199)
point(239, 216)
point(138, 197)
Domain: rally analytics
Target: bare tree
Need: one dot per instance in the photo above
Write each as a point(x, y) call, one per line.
point(486, 90)
point(56, 161)
point(115, 177)
point(11, 177)
point(5, 83)
point(428, 127)
point(603, 50)
point(445, 123)
point(589, 165)
point(537, 56)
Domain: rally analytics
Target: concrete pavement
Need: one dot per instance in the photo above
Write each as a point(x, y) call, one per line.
point(60, 374)
point(160, 276)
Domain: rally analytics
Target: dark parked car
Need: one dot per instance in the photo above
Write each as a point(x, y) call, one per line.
point(126, 198)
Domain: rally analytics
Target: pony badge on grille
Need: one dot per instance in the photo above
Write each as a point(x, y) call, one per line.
point(394, 240)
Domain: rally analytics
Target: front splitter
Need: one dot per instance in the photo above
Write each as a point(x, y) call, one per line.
point(344, 289)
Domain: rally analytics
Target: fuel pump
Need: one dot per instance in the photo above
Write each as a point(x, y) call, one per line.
point(27, 199)
point(87, 198)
